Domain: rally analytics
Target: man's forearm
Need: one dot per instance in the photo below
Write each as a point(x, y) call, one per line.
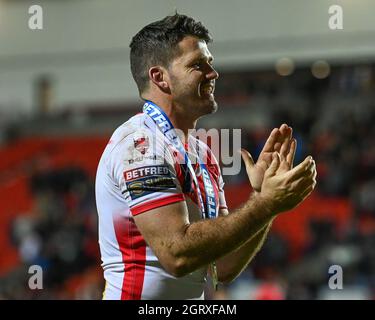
point(208, 240)
point(231, 265)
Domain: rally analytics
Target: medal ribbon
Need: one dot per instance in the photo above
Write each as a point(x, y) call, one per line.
point(168, 130)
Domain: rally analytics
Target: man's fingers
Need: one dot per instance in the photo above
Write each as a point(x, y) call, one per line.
point(304, 182)
point(307, 191)
point(304, 168)
point(286, 135)
point(277, 147)
point(274, 165)
point(248, 159)
point(283, 127)
point(272, 139)
point(292, 153)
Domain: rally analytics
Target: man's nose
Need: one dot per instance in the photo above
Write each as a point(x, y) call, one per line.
point(212, 74)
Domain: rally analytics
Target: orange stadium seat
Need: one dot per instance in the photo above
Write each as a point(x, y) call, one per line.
point(16, 162)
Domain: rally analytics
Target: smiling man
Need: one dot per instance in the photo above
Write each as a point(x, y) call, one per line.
point(163, 221)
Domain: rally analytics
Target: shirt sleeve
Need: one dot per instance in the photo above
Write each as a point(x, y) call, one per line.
point(143, 168)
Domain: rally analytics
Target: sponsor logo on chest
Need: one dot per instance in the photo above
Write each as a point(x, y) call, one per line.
point(146, 171)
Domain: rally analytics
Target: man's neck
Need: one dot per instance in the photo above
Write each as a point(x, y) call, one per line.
point(179, 119)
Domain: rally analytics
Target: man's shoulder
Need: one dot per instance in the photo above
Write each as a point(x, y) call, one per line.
point(132, 124)
point(137, 138)
point(130, 128)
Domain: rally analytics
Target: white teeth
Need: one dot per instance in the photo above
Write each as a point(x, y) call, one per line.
point(208, 90)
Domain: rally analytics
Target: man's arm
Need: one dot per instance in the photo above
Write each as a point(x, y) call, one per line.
point(183, 247)
point(230, 266)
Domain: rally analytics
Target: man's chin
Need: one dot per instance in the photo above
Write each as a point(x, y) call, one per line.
point(213, 105)
point(209, 108)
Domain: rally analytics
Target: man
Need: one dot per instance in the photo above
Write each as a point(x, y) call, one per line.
point(163, 221)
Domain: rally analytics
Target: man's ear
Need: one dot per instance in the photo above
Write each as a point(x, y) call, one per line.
point(158, 76)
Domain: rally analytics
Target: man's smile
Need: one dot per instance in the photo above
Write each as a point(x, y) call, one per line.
point(207, 90)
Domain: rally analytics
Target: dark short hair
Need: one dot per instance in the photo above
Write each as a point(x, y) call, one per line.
point(156, 44)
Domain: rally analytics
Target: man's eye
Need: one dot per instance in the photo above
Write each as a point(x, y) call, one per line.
point(197, 66)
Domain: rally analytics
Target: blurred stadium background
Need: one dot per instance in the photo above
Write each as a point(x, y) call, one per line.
point(65, 88)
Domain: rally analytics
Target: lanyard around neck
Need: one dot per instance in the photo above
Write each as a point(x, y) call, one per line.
point(168, 130)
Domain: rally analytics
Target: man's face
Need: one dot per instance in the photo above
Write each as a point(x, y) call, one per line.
point(192, 78)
